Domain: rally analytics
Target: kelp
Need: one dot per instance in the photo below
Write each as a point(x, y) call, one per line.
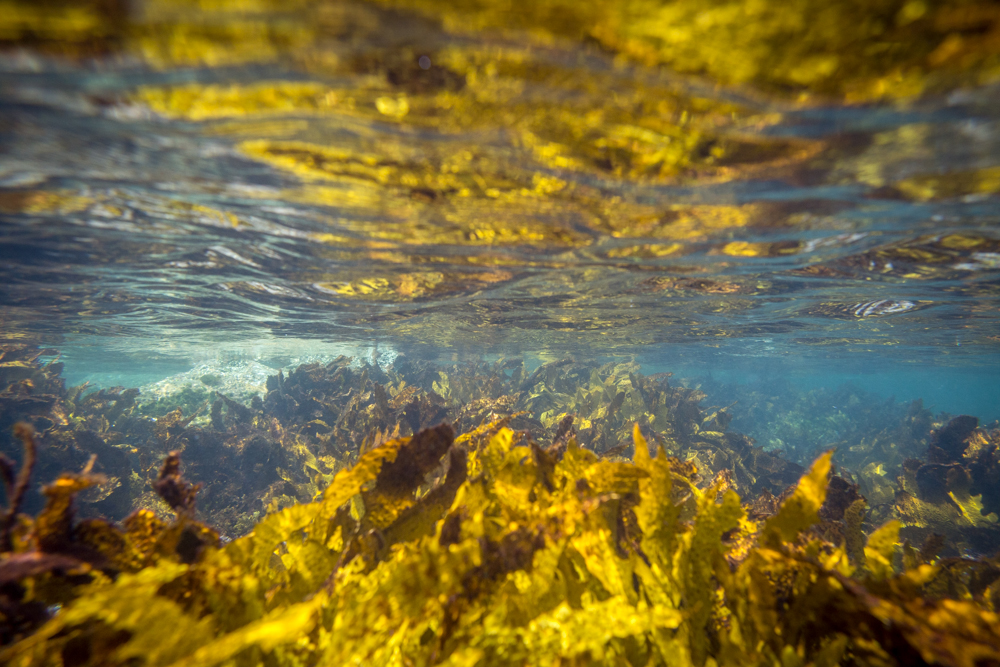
point(502, 541)
point(951, 490)
point(46, 557)
point(864, 428)
point(539, 556)
point(932, 473)
point(285, 446)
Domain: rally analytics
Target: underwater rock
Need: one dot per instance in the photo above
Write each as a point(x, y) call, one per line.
point(948, 444)
point(985, 473)
point(239, 379)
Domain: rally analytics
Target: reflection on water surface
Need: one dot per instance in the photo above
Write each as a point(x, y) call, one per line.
point(473, 178)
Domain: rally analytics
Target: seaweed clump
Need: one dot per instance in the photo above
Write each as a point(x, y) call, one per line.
point(285, 446)
point(45, 560)
point(489, 548)
point(482, 514)
point(954, 491)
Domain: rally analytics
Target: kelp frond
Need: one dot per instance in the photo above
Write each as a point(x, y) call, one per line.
point(533, 558)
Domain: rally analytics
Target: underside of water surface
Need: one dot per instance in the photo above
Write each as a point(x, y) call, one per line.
point(479, 332)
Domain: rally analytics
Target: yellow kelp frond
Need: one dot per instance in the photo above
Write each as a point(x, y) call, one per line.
point(129, 605)
point(705, 553)
point(658, 514)
point(284, 626)
point(880, 550)
point(801, 509)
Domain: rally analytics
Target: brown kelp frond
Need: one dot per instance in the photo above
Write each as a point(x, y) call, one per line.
point(51, 558)
point(170, 486)
point(54, 526)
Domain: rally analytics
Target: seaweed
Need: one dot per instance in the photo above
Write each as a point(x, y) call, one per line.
point(15, 487)
point(985, 473)
point(950, 493)
point(526, 561)
point(487, 513)
point(46, 560)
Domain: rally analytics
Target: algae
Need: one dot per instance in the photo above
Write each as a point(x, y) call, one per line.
point(667, 539)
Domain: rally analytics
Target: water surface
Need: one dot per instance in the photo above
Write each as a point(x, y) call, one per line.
point(189, 181)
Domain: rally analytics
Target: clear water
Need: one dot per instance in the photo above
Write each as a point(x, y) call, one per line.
point(140, 238)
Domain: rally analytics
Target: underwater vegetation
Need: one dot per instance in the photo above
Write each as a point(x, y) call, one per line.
point(284, 446)
point(475, 514)
point(909, 464)
point(863, 427)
